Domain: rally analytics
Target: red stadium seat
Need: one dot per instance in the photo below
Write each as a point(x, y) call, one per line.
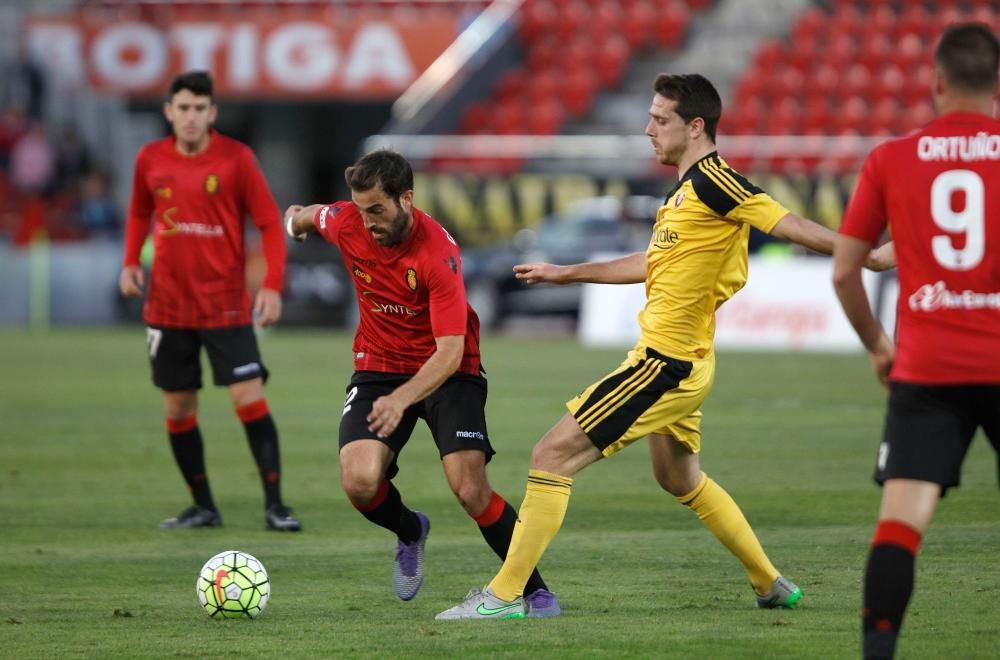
point(670, 24)
point(637, 25)
point(536, 19)
point(857, 81)
point(578, 91)
point(545, 118)
point(508, 118)
point(543, 52)
point(511, 85)
point(475, 119)
point(612, 56)
point(573, 19)
point(544, 85)
point(885, 117)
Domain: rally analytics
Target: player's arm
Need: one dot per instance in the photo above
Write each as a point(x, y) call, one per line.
point(300, 221)
point(387, 411)
point(267, 218)
point(624, 270)
point(848, 257)
point(814, 236)
point(141, 207)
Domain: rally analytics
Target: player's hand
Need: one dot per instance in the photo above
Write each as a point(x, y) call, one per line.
point(289, 215)
point(882, 258)
point(267, 307)
point(882, 358)
point(537, 273)
point(387, 411)
point(131, 281)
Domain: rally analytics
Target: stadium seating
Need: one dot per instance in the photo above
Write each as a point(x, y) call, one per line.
point(572, 50)
point(862, 68)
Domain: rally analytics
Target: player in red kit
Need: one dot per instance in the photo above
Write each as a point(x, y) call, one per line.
point(416, 356)
point(196, 188)
point(938, 191)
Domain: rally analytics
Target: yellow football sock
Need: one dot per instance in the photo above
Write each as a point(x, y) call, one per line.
point(538, 522)
point(723, 517)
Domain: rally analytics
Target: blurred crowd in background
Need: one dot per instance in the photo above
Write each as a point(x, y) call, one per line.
point(49, 176)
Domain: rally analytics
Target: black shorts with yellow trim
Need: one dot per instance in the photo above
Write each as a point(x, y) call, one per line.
point(648, 393)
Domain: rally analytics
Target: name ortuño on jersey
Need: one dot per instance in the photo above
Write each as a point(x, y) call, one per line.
point(198, 206)
point(938, 190)
point(408, 294)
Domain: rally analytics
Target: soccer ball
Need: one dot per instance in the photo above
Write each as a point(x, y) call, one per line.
point(233, 584)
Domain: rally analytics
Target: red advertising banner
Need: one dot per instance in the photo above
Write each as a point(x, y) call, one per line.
point(260, 54)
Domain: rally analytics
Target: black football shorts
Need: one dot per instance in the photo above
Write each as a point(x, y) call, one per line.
point(928, 430)
point(175, 356)
point(455, 413)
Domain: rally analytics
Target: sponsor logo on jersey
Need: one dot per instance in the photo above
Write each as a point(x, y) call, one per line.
point(478, 435)
point(385, 308)
point(452, 264)
point(931, 297)
point(212, 184)
point(411, 279)
point(323, 212)
point(173, 227)
point(665, 239)
point(362, 275)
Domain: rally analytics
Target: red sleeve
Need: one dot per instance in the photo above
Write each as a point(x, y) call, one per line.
point(265, 214)
point(866, 218)
point(327, 223)
point(448, 306)
point(140, 213)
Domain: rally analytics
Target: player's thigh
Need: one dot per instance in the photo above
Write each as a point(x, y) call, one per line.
point(456, 415)
point(646, 394)
point(928, 430)
point(362, 392)
point(988, 397)
point(175, 358)
point(233, 354)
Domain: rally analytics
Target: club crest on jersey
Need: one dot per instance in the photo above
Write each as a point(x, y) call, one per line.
point(411, 279)
point(164, 192)
point(678, 199)
point(211, 184)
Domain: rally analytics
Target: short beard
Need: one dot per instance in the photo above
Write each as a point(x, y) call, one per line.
point(394, 233)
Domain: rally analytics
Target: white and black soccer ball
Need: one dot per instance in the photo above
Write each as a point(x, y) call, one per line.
point(233, 584)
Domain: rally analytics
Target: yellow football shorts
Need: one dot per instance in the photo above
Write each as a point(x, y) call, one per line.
point(647, 393)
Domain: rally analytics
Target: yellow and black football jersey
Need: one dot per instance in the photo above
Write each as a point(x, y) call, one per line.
point(697, 255)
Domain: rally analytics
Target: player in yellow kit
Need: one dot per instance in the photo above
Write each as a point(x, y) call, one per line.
point(696, 260)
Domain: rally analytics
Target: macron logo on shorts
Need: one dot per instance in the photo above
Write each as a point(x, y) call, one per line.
point(470, 434)
point(247, 369)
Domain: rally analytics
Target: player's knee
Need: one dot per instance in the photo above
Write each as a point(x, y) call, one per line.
point(360, 486)
point(473, 494)
point(675, 484)
point(179, 405)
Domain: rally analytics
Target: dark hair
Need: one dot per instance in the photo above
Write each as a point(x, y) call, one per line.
point(968, 55)
point(695, 96)
point(384, 168)
point(198, 83)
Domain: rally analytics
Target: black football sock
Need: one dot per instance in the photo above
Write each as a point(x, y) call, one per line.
point(189, 453)
point(387, 510)
point(888, 586)
point(262, 434)
point(496, 524)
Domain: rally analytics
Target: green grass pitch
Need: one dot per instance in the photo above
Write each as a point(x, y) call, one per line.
point(86, 475)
